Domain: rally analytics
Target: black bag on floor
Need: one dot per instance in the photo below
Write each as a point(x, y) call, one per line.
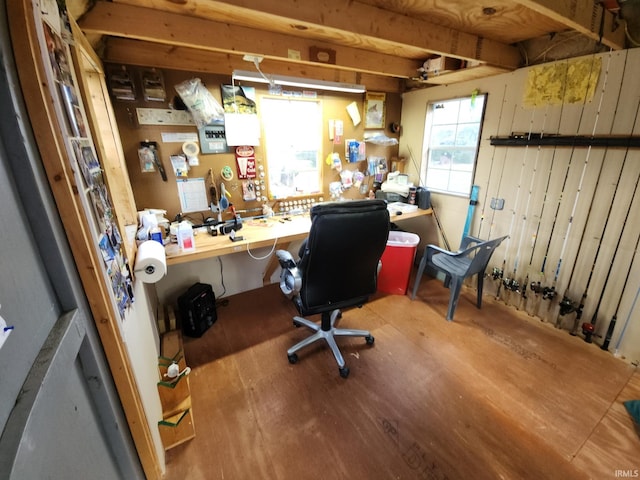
point(197, 309)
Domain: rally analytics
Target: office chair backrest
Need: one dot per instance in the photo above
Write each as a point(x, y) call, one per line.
point(483, 252)
point(339, 262)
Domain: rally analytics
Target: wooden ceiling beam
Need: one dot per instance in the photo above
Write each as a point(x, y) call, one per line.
point(179, 30)
point(146, 54)
point(585, 16)
point(350, 24)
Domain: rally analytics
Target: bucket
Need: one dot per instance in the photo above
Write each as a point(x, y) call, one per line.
point(397, 261)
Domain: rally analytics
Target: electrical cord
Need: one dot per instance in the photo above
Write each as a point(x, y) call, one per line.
point(275, 242)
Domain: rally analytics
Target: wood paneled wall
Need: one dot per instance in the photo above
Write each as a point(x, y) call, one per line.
point(151, 192)
point(570, 212)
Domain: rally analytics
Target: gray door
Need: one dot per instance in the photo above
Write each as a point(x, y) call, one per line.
point(60, 416)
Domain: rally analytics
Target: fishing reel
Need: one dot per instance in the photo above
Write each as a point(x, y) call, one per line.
point(511, 284)
point(588, 330)
point(535, 287)
point(567, 306)
point(549, 293)
point(496, 273)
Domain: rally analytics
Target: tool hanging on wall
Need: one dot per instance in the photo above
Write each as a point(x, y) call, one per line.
point(150, 150)
point(224, 201)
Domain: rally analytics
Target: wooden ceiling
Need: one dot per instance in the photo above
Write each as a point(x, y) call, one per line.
point(379, 43)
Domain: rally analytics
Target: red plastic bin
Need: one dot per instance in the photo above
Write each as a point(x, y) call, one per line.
point(397, 260)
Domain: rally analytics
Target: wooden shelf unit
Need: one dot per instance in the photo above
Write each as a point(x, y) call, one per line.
point(177, 425)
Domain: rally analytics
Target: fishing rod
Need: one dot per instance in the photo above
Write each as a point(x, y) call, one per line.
point(497, 204)
point(508, 283)
point(513, 285)
point(588, 329)
point(551, 292)
point(493, 156)
point(537, 287)
point(433, 209)
point(626, 324)
point(522, 287)
point(567, 306)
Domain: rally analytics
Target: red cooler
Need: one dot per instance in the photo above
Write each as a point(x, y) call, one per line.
point(397, 261)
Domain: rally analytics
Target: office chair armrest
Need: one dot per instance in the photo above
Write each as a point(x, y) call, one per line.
point(291, 276)
point(285, 258)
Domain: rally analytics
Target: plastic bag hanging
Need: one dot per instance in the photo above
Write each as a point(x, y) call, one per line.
point(204, 108)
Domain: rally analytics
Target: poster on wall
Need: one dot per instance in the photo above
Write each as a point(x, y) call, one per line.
point(55, 37)
point(374, 110)
point(246, 162)
point(239, 99)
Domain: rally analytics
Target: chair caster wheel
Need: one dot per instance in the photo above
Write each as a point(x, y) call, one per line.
point(296, 324)
point(344, 372)
point(293, 358)
point(369, 339)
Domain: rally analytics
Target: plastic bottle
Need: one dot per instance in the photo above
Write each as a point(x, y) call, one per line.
point(186, 240)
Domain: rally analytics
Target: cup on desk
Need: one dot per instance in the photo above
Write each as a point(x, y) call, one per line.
point(412, 196)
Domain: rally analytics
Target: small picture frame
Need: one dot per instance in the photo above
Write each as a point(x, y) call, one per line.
point(374, 110)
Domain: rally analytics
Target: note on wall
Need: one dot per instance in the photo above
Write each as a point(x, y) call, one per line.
point(573, 81)
point(193, 195)
point(161, 116)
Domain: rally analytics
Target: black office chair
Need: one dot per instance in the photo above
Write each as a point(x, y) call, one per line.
point(472, 259)
point(337, 269)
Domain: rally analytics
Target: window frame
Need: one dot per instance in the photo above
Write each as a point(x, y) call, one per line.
point(427, 149)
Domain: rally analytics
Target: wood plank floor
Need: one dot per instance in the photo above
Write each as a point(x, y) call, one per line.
point(495, 394)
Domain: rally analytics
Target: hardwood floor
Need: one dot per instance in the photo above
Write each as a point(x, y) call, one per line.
point(495, 394)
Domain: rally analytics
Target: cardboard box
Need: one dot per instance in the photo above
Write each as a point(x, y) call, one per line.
point(442, 64)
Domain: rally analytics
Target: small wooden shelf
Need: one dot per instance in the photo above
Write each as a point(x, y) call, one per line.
point(176, 426)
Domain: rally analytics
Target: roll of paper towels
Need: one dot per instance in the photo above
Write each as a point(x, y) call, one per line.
point(151, 262)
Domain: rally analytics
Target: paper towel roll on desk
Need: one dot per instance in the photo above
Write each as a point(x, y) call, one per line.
point(151, 262)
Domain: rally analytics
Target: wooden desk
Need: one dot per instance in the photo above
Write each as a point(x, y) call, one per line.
point(256, 234)
point(274, 232)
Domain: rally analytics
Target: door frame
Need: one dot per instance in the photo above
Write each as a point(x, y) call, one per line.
point(50, 141)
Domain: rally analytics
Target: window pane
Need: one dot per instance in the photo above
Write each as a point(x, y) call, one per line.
point(445, 112)
point(463, 160)
point(467, 135)
point(460, 182)
point(437, 179)
point(452, 134)
point(443, 135)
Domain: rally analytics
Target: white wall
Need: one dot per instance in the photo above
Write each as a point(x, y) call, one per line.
point(532, 182)
point(140, 334)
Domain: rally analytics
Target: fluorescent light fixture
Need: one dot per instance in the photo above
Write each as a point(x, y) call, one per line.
point(297, 82)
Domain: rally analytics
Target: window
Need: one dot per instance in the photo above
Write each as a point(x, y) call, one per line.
point(452, 135)
point(293, 145)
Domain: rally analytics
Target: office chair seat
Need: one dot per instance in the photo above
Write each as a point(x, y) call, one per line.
point(337, 269)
